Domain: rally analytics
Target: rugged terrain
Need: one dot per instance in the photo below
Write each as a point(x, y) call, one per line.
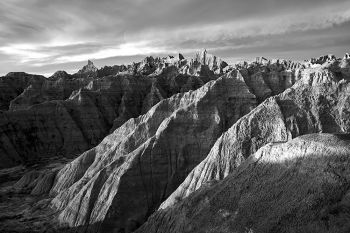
point(297, 186)
point(177, 145)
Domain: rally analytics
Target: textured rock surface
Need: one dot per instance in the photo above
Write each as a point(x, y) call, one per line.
point(23, 203)
point(12, 85)
point(88, 71)
point(299, 186)
point(319, 102)
point(58, 87)
point(69, 126)
point(125, 178)
point(68, 114)
point(179, 143)
point(272, 77)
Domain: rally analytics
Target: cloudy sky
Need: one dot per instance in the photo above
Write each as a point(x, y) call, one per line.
point(42, 36)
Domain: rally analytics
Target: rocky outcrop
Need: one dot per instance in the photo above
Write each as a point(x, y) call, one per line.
point(88, 71)
point(215, 64)
point(323, 59)
point(111, 70)
point(126, 177)
point(13, 84)
point(71, 126)
point(319, 102)
point(299, 186)
point(272, 77)
point(202, 64)
point(197, 126)
point(68, 114)
point(58, 87)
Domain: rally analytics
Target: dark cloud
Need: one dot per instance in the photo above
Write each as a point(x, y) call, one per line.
point(41, 35)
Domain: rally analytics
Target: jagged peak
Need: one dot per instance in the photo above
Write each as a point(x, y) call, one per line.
point(90, 64)
point(88, 69)
point(323, 59)
point(210, 60)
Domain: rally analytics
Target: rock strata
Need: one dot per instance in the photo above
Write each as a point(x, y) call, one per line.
point(65, 116)
point(299, 186)
point(319, 102)
point(13, 84)
point(168, 134)
point(146, 158)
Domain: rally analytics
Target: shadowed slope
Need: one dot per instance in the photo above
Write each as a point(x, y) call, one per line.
point(299, 186)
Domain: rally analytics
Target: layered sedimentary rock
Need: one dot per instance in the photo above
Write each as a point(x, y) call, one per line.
point(319, 102)
point(124, 179)
point(71, 126)
point(299, 186)
point(215, 64)
point(58, 87)
point(110, 70)
point(67, 114)
point(28, 90)
point(13, 84)
point(272, 77)
point(62, 127)
point(38, 181)
point(202, 64)
point(179, 143)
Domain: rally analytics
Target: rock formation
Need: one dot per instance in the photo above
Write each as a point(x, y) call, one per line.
point(70, 126)
point(299, 186)
point(215, 64)
point(58, 87)
point(319, 102)
point(146, 158)
point(67, 114)
point(175, 134)
point(111, 70)
point(88, 71)
point(12, 85)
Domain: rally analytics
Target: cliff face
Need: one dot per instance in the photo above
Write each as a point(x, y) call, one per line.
point(145, 159)
point(298, 186)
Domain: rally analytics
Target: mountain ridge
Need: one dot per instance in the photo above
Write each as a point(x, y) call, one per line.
point(123, 151)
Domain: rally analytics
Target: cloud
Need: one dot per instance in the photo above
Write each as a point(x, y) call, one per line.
point(38, 34)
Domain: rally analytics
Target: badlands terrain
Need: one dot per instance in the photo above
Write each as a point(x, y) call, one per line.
point(178, 144)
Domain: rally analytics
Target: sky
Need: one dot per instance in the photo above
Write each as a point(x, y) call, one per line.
point(43, 36)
